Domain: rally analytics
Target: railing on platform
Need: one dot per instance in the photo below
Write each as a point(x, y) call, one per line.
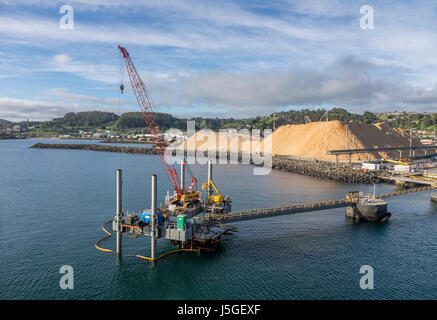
point(308, 206)
point(286, 209)
point(404, 191)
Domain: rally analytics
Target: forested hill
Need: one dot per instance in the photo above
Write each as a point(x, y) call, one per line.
point(135, 120)
point(165, 121)
point(84, 119)
point(396, 119)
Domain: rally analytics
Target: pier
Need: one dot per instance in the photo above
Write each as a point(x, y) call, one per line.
point(411, 180)
point(252, 214)
point(349, 152)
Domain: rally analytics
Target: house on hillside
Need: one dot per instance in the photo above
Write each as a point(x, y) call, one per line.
point(14, 129)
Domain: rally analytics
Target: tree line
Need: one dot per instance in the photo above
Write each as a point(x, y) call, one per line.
point(135, 120)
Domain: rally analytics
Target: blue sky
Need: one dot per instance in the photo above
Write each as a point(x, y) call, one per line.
point(218, 58)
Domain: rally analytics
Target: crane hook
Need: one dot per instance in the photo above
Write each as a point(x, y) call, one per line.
point(121, 88)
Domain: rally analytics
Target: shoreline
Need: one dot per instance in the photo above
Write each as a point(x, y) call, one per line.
point(318, 169)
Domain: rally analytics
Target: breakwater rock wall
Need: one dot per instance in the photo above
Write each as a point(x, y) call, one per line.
point(324, 170)
point(147, 141)
point(317, 169)
point(95, 147)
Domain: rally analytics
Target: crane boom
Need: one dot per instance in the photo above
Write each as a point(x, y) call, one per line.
point(148, 109)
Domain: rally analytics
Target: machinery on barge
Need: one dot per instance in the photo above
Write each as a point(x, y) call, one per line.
point(186, 221)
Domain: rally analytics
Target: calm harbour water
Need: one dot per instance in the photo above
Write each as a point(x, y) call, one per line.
point(53, 203)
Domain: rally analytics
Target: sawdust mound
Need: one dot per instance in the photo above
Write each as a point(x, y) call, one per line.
point(313, 140)
point(229, 141)
point(310, 141)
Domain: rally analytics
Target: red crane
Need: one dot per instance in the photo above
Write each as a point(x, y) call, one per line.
point(148, 109)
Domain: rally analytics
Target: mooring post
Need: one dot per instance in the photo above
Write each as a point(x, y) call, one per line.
point(182, 174)
point(153, 233)
point(119, 210)
point(209, 175)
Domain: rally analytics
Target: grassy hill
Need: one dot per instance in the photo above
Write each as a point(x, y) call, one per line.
point(5, 123)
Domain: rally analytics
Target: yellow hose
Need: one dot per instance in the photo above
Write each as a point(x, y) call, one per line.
point(228, 226)
point(164, 254)
point(109, 234)
point(139, 256)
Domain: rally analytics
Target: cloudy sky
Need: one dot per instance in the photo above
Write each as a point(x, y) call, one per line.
point(218, 58)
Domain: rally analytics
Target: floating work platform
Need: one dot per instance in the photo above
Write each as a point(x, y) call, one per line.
point(196, 224)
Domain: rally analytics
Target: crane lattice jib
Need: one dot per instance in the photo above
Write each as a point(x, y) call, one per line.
point(147, 107)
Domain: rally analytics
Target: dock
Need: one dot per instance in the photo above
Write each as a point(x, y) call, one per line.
point(410, 180)
point(432, 149)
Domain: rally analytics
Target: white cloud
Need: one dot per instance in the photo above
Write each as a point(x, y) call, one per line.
point(349, 82)
point(72, 97)
point(37, 28)
point(253, 62)
point(58, 102)
point(21, 109)
point(93, 71)
point(61, 59)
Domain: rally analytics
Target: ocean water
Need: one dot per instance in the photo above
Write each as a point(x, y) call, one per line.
point(53, 203)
